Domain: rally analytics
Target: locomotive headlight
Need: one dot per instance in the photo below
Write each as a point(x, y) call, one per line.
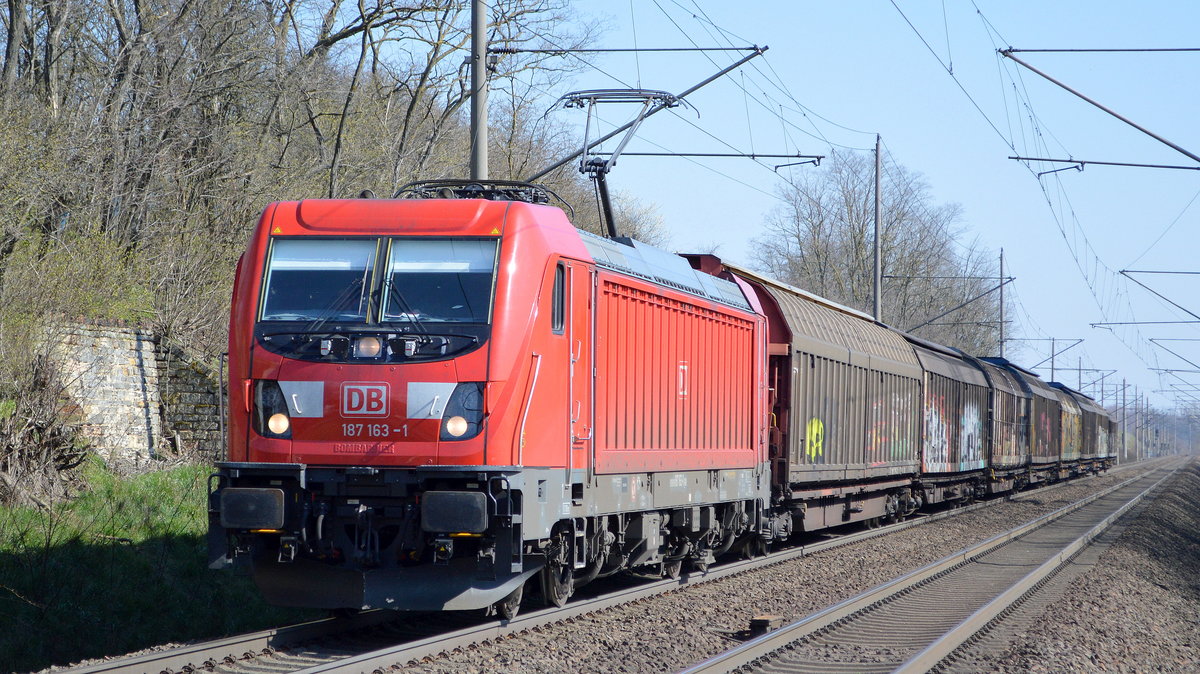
point(278, 423)
point(368, 347)
point(457, 426)
point(463, 416)
point(271, 418)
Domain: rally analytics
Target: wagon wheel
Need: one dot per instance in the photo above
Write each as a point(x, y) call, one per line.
point(556, 576)
point(892, 507)
point(754, 546)
point(510, 605)
point(750, 548)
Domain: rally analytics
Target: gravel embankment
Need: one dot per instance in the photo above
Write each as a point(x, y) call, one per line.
point(1136, 609)
point(670, 632)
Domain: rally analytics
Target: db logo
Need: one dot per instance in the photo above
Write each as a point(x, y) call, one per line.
point(364, 400)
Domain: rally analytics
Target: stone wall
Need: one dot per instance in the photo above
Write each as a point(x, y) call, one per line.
point(188, 391)
point(137, 398)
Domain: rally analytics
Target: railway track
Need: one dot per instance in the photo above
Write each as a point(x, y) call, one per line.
point(917, 621)
point(379, 639)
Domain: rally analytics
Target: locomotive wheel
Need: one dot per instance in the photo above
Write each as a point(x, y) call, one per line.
point(671, 568)
point(556, 576)
point(556, 584)
point(510, 605)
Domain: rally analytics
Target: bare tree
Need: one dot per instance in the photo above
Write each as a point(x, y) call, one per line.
point(139, 140)
point(821, 239)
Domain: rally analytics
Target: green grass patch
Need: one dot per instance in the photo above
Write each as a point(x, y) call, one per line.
point(120, 568)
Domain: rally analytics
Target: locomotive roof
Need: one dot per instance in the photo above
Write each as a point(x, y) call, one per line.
point(635, 258)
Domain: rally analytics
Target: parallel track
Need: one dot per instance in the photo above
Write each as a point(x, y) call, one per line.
point(379, 639)
point(914, 622)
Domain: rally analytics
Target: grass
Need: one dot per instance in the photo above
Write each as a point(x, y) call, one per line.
point(119, 568)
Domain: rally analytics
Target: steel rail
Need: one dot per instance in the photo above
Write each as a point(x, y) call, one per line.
point(208, 653)
point(219, 650)
point(764, 646)
point(982, 618)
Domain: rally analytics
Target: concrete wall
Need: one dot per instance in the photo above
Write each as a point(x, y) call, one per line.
point(137, 397)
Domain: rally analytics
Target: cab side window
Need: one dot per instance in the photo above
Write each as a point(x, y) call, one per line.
point(558, 300)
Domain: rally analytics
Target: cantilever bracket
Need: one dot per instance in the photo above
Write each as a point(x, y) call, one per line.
point(1078, 166)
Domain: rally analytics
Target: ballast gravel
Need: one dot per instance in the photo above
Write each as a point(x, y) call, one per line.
point(670, 632)
point(1137, 608)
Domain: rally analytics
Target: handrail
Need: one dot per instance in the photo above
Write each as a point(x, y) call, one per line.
point(537, 368)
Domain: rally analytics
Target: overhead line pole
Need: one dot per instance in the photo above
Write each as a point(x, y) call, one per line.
point(1053, 351)
point(758, 51)
point(1124, 421)
point(479, 91)
point(877, 279)
point(1052, 354)
point(1001, 303)
point(1008, 53)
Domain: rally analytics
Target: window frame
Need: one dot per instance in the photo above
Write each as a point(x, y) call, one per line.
point(558, 300)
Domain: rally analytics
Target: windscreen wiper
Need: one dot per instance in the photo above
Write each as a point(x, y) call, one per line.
point(334, 307)
point(413, 317)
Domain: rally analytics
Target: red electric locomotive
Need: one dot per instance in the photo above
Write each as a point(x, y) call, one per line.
point(433, 399)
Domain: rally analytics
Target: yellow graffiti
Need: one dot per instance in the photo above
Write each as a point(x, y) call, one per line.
point(814, 439)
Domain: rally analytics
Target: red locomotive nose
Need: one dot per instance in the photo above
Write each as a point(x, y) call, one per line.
point(361, 341)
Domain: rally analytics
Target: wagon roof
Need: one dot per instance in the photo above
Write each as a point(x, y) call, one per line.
point(814, 318)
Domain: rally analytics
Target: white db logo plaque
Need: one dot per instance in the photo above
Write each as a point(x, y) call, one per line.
point(360, 399)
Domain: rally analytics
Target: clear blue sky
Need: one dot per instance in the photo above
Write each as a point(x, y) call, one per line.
point(837, 72)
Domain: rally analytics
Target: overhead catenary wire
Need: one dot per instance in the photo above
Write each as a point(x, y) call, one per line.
point(1105, 299)
point(763, 99)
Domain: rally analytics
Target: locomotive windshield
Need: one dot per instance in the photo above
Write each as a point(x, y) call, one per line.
point(439, 280)
point(319, 280)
